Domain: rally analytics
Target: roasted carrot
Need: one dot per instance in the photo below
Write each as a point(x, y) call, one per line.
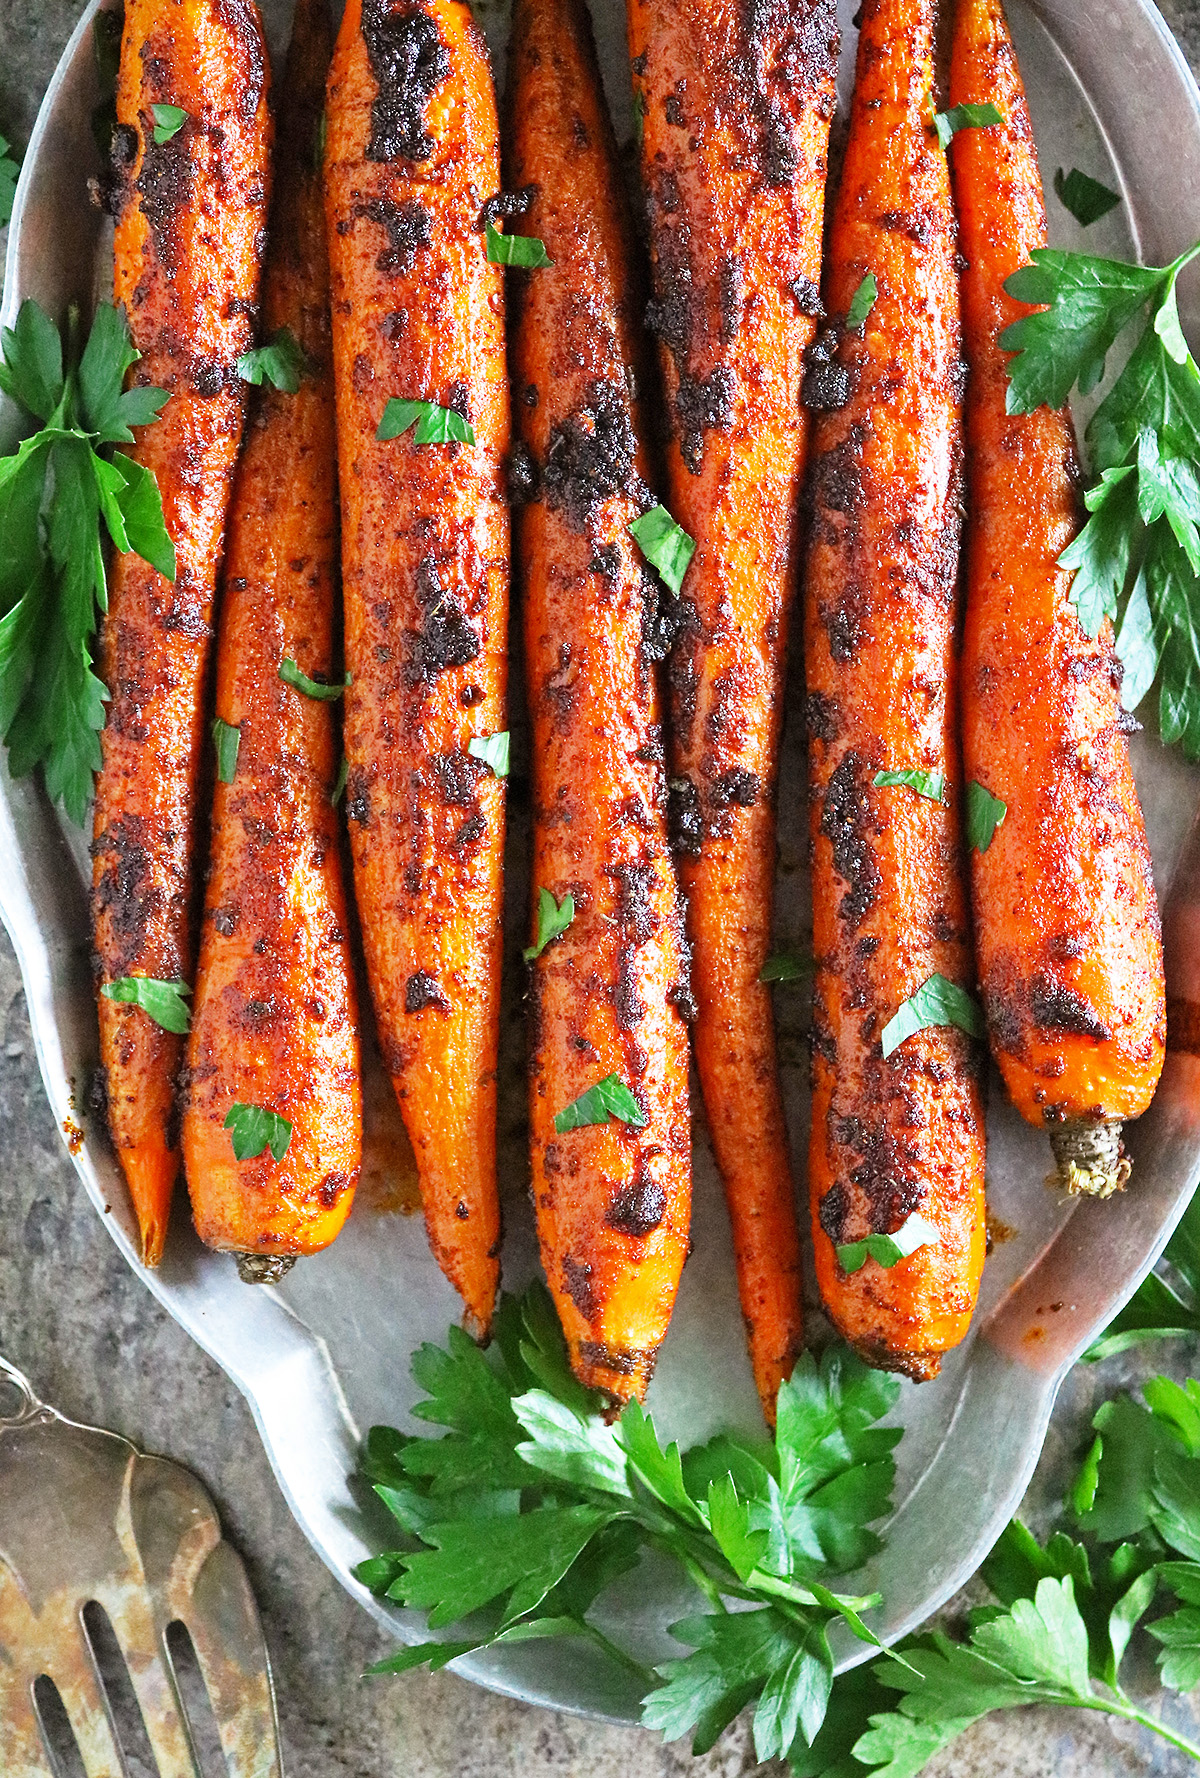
point(190, 222)
point(275, 1022)
point(902, 1133)
point(613, 1198)
point(412, 157)
point(735, 103)
point(1066, 921)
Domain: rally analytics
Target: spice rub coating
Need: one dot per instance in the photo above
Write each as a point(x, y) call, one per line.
point(613, 1200)
point(190, 227)
point(903, 1133)
point(1066, 920)
point(412, 152)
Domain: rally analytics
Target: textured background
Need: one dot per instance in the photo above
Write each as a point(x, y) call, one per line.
point(98, 1346)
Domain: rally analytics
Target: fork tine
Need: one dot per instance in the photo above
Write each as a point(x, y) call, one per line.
point(87, 1712)
point(153, 1680)
point(222, 1620)
point(22, 1749)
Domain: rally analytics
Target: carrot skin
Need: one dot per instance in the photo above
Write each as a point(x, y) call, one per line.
point(613, 1200)
point(275, 1019)
point(190, 220)
point(1066, 919)
point(412, 154)
point(905, 1133)
point(735, 124)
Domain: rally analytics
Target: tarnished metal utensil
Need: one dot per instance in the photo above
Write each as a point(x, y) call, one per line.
point(88, 1526)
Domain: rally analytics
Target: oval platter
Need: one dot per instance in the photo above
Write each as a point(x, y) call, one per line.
point(325, 1354)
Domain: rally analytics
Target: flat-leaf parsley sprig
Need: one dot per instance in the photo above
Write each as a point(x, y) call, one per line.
point(1137, 560)
point(531, 1503)
point(60, 491)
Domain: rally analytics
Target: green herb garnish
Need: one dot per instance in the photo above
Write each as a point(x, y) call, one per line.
point(253, 1130)
point(937, 1001)
point(162, 1001)
point(168, 121)
point(928, 784)
point(1166, 1304)
point(964, 117)
point(523, 250)
point(492, 750)
point(434, 424)
point(985, 813)
point(281, 360)
point(227, 738)
point(553, 918)
point(339, 785)
point(290, 673)
point(609, 1097)
point(59, 493)
point(1084, 197)
point(888, 1250)
point(785, 966)
point(665, 545)
point(862, 302)
point(10, 172)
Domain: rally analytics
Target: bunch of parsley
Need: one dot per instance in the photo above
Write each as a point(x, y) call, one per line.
point(1137, 560)
point(530, 1504)
point(59, 492)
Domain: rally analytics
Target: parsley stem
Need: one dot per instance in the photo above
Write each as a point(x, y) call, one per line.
point(618, 1654)
point(1131, 1713)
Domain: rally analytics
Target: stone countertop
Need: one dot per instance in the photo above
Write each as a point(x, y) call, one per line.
point(99, 1347)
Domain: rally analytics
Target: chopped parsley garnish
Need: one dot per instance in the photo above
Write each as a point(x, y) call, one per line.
point(522, 250)
point(937, 1001)
point(888, 1250)
point(610, 1097)
point(964, 117)
point(282, 360)
point(253, 1130)
point(290, 673)
point(434, 424)
point(1084, 197)
point(168, 121)
point(785, 966)
point(553, 918)
point(928, 784)
point(492, 750)
point(985, 812)
point(335, 795)
point(665, 545)
point(862, 302)
point(10, 172)
point(161, 1001)
point(227, 738)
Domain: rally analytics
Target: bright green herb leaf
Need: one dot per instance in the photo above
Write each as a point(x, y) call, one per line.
point(985, 813)
point(434, 424)
point(964, 117)
point(862, 302)
point(888, 1250)
point(163, 1001)
point(571, 1443)
point(1089, 302)
point(1166, 1304)
point(290, 673)
point(339, 785)
point(168, 121)
point(553, 918)
point(227, 738)
point(522, 250)
point(492, 750)
point(785, 966)
point(9, 174)
point(665, 545)
point(928, 784)
point(282, 361)
point(610, 1097)
point(936, 1002)
point(1083, 196)
point(253, 1130)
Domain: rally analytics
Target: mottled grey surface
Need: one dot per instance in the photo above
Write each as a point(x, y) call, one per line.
point(98, 1346)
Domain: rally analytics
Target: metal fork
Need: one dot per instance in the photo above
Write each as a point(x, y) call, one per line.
point(85, 1518)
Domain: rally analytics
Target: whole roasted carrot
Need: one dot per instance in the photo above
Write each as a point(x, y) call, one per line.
point(899, 1133)
point(613, 1197)
point(735, 102)
point(1066, 921)
point(189, 192)
point(274, 1025)
point(412, 156)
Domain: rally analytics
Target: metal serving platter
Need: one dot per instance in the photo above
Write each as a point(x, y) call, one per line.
point(325, 1354)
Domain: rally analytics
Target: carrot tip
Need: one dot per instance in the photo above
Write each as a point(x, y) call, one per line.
point(263, 1268)
point(1091, 1161)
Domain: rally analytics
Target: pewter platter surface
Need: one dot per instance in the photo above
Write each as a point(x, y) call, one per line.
point(325, 1355)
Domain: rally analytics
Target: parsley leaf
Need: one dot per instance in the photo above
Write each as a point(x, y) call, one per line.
point(610, 1097)
point(862, 302)
point(1083, 196)
point(492, 750)
point(522, 250)
point(937, 1001)
point(553, 918)
point(227, 739)
point(10, 172)
point(434, 424)
point(985, 813)
point(253, 1129)
point(964, 117)
point(281, 360)
point(59, 492)
point(785, 966)
point(1166, 1303)
point(163, 1001)
point(1089, 302)
point(665, 545)
point(888, 1250)
point(339, 783)
point(290, 673)
point(929, 784)
point(168, 121)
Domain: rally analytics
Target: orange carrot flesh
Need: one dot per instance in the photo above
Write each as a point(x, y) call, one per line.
point(412, 155)
point(1066, 920)
point(903, 1133)
point(190, 219)
point(613, 1199)
point(736, 108)
point(275, 1020)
